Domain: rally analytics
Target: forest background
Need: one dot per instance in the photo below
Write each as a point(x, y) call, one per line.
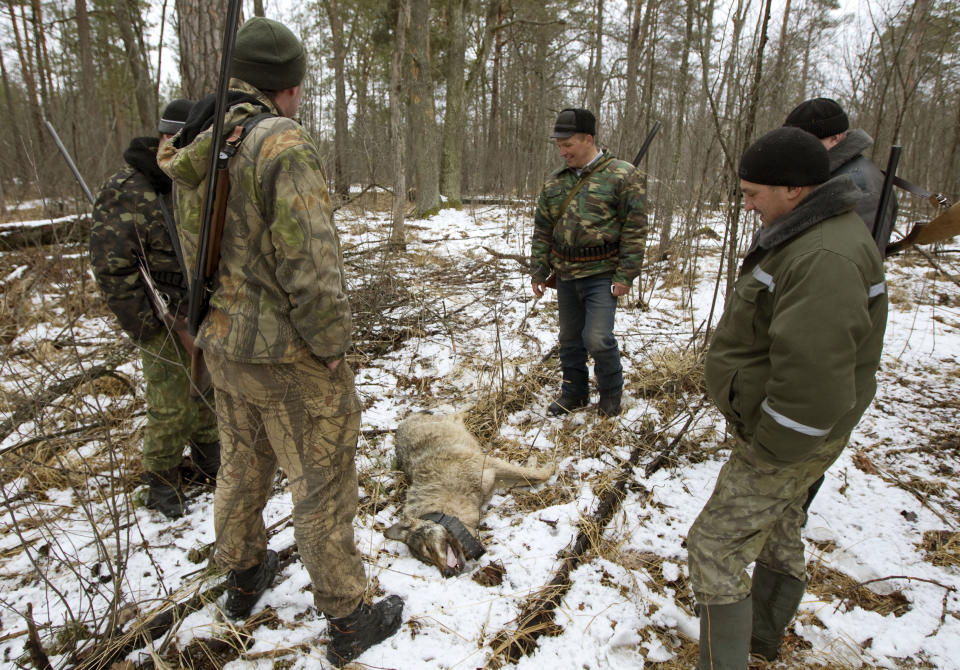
point(435, 99)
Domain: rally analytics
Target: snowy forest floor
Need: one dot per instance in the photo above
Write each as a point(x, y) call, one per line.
point(449, 325)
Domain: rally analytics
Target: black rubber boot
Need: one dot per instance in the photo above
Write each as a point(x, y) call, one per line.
point(776, 597)
point(366, 626)
point(566, 404)
point(725, 636)
point(165, 494)
point(609, 404)
point(244, 587)
point(206, 462)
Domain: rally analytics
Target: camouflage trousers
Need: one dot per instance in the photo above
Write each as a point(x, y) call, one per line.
point(173, 418)
point(305, 419)
point(754, 514)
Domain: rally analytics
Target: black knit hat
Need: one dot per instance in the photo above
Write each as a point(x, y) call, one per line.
point(821, 116)
point(268, 55)
point(572, 121)
point(174, 116)
point(786, 157)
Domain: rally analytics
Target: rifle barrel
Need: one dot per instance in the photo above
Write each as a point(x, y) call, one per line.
point(646, 143)
point(880, 235)
point(66, 157)
point(199, 283)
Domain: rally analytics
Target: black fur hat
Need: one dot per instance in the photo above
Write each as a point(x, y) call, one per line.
point(786, 157)
point(822, 117)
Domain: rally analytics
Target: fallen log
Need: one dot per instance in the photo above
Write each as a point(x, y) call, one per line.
point(66, 230)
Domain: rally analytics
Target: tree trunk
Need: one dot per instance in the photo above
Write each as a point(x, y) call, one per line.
point(131, 32)
point(451, 160)
point(200, 32)
point(423, 125)
point(628, 135)
point(595, 84)
point(27, 73)
point(341, 138)
point(397, 137)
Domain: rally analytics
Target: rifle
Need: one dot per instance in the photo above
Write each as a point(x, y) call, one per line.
point(214, 208)
point(881, 232)
point(551, 281)
point(159, 303)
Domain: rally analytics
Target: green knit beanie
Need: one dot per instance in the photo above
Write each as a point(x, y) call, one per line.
point(268, 55)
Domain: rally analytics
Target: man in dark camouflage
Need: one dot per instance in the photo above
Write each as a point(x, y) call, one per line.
point(130, 232)
point(275, 340)
point(589, 229)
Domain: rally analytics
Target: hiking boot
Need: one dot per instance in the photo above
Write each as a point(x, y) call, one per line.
point(609, 404)
point(244, 587)
point(725, 636)
point(366, 626)
point(206, 462)
point(566, 404)
point(165, 494)
point(776, 597)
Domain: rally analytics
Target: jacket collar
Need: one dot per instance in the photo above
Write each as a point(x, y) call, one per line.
point(831, 198)
point(854, 144)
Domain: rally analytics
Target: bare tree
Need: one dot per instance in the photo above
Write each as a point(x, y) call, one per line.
point(341, 132)
point(422, 120)
point(451, 158)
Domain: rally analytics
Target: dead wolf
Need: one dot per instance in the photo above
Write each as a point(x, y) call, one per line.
point(449, 480)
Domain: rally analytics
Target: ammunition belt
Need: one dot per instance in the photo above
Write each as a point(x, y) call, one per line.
point(169, 279)
point(582, 254)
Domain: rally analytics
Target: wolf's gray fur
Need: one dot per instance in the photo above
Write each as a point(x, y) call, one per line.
point(447, 472)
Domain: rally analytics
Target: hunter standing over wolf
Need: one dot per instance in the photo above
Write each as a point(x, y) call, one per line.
point(792, 367)
point(130, 238)
point(275, 337)
point(590, 228)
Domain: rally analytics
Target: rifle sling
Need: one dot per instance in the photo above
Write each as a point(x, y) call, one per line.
point(936, 199)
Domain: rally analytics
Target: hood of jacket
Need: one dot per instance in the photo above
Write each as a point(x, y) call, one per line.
point(141, 155)
point(836, 196)
point(855, 143)
point(186, 157)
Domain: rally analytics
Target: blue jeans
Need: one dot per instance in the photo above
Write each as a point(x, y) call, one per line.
point(587, 309)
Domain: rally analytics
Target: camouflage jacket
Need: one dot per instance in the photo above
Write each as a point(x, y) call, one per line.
point(606, 217)
point(280, 291)
point(128, 224)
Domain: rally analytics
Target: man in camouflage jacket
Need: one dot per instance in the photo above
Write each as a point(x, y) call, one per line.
point(792, 367)
point(130, 232)
point(275, 337)
point(590, 228)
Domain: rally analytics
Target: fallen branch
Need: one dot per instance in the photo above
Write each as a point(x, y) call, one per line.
point(29, 409)
point(536, 616)
point(33, 645)
point(519, 258)
point(116, 646)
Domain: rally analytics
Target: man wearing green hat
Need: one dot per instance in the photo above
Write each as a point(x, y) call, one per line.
point(275, 338)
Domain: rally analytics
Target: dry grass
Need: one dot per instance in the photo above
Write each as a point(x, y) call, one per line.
point(832, 584)
point(942, 547)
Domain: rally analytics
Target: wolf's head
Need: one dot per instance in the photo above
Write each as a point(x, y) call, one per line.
point(431, 543)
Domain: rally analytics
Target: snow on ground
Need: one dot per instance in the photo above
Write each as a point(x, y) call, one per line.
point(447, 326)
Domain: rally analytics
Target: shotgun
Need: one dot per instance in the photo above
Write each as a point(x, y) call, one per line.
point(214, 209)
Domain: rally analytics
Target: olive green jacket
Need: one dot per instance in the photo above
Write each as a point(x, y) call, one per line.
point(608, 212)
point(280, 290)
point(794, 358)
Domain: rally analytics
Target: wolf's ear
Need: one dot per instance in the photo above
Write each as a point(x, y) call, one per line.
point(397, 531)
